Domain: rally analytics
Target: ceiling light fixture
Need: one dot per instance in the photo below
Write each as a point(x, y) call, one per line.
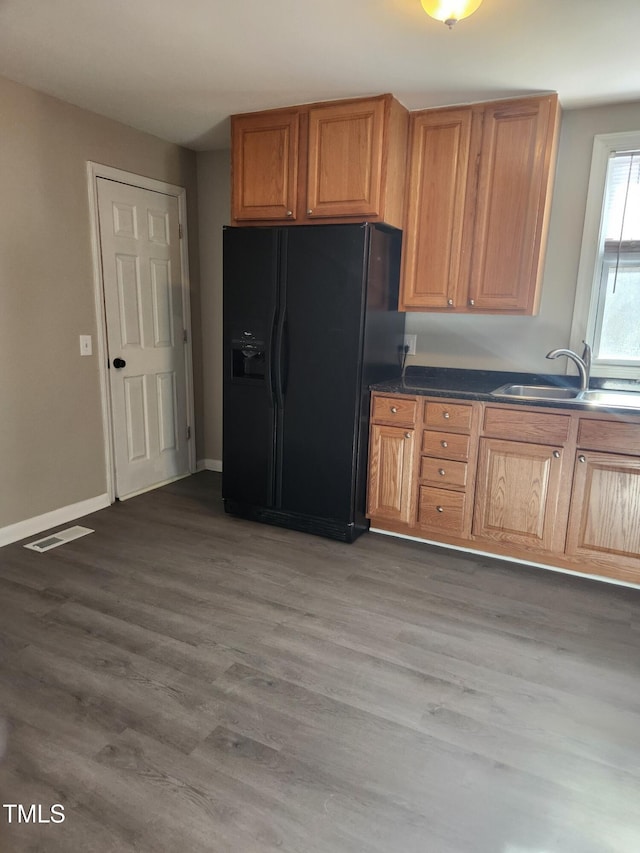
point(450, 11)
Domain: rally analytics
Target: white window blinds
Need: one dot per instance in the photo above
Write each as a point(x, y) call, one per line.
point(616, 337)
point(621, 215)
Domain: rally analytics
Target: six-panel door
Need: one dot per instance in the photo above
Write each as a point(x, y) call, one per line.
point(141, 266)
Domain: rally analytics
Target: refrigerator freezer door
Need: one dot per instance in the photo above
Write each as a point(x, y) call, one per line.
point(251, 262)
point(324, 292)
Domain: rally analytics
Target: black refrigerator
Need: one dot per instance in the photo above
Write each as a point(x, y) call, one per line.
point(310, 321)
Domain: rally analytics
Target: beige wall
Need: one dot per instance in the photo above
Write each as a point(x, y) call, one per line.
point(520, 343)
point(51, 437)
point(214, 205)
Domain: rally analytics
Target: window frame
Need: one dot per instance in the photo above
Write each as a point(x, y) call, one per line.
point(588, 287)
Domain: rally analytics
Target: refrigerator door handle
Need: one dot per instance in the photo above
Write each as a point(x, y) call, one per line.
point(284, 364)
point(281, 353)
point(272, 349)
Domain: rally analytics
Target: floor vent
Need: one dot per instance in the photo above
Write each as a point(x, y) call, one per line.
point(59, 538)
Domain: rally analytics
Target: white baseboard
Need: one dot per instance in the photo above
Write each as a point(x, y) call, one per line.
point(209, 465)
point(473, 552)
point(31, 526)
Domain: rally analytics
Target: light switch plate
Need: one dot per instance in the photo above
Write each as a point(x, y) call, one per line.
point(86, 347)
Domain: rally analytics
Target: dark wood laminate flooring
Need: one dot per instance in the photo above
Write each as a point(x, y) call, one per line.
point(183, 681)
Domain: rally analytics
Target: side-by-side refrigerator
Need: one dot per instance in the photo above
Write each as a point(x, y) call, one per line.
point(310, 321)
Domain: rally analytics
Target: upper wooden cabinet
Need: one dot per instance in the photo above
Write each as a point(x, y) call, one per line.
point(478, 198)
point(344, 173)
point(331, 162)
point(434, 272)
point(265, 165)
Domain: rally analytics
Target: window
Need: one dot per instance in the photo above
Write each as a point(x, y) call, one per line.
point(608, 298)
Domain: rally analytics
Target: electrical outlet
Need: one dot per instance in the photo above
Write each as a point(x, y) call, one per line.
point(410, 341)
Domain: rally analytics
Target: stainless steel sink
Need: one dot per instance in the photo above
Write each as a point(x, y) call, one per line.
point(536, 392)
point(611, 398)
point(595, 397)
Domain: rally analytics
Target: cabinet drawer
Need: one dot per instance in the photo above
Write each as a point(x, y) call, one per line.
point(526, 425)
point(613, 436)
point(443, 471)
point(400, 410)
point(442, 510)
point(455, 416)
point(446, 445)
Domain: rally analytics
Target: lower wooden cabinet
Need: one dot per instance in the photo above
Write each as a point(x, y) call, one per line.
point(605, 509)
point(549, 486)
point(391, 457)
point(446, 469)
point(518, 493)
point(442, 511)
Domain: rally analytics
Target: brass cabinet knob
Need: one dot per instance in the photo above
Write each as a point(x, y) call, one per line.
point(582, 458)
point(446, 415)
point(444, 443)
point(309, 211)
point(394, 410)
point(407, 435)
point(289, 212)
point(441, 471)
point(450, 302)
point(440, 508)
point(556, 454)
point(472, 302)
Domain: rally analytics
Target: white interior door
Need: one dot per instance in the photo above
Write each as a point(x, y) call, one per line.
point(140, 249)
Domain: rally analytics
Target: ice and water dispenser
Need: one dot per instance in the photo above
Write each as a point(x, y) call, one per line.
point(248, 356)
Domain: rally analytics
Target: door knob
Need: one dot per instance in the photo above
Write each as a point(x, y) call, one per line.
point(119, 362)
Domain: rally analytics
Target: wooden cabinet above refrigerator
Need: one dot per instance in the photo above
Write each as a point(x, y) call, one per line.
point(338, 161)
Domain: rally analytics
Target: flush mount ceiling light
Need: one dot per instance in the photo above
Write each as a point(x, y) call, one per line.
point(450, 11)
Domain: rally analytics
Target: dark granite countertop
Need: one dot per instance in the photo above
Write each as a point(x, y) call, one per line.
point(478, 385)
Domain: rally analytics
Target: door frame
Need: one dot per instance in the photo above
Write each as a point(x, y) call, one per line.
point(95, 171)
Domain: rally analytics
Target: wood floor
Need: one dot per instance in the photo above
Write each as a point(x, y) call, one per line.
point(183, 681)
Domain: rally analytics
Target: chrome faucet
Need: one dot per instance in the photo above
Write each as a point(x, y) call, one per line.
point(582, 363)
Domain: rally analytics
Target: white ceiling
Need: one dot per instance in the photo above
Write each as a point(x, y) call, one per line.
point(179, 68)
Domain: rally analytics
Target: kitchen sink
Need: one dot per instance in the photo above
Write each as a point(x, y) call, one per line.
point(593, 397)
point(536, 392)
point(611, 398)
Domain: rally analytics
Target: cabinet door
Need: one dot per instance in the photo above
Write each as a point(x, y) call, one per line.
point(517, 493)
point(391, 459)
point(513, 192)
point(605, 507)
point(433, 272)
point(345, 159)
point(265, 166)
